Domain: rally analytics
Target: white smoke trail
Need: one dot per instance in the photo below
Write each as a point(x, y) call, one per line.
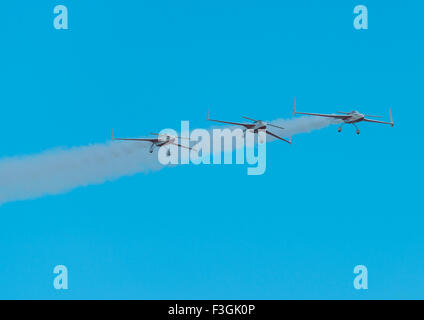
point(300, 125)
point(58, 171)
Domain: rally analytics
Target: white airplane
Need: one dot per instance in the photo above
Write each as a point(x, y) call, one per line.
point(347, 117)
point(161, 140)
point(255, 126)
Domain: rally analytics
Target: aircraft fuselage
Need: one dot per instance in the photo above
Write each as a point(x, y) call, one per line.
point(259, 125)
point(354, 117)
point(164, 142)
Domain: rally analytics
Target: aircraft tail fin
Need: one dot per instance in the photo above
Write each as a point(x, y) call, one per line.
point(391, 118)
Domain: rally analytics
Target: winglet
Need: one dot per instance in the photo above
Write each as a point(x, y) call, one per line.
point(290, 140)
point(294, 106)
point(207, 116)
point(391, 118)
point(113, 138)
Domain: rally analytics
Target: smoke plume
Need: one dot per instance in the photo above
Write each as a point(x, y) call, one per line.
point(61, 170)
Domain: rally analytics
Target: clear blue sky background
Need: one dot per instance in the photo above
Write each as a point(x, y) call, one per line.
point(327, 203)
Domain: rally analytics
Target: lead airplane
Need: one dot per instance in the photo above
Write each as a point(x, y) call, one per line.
point(161, 140)
point(255, 126)
point(352, 117)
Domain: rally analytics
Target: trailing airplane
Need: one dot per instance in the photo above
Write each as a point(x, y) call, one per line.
point(161, 140)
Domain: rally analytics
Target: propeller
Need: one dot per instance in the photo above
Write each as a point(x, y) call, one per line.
point(250, 119)
point(168, 135)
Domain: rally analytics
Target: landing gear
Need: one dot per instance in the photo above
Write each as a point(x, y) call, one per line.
point(357, 129)
point(151, 148)
point(339, 129)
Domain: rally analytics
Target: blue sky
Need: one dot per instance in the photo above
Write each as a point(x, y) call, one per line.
point(327, 203)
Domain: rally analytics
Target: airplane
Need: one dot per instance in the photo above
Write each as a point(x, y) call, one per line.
point(161, 140)
point(348, 117)
point(255, 126)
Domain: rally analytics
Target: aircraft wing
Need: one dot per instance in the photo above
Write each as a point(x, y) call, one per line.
point(375, 121)
point(149, 140)
point(384, 122)
point(335, 116)
point(275, 136)
point(153, 140)
point(246, 125)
